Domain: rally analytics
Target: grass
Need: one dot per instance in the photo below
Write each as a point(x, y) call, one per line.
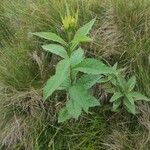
point(121, 34)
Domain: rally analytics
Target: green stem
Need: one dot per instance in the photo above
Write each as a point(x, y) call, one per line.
point(69, 34)
point(69, 51)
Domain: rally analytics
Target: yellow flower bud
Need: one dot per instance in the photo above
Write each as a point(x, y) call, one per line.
point(69, 22)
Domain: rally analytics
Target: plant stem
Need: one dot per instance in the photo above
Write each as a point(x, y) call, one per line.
point(69, 51)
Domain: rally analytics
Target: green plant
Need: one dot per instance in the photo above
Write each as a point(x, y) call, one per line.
point(125, 94)
point(66, 76)
point(123, 91)
point(77, 88)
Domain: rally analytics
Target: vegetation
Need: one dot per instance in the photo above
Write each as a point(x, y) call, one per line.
point(86, 74)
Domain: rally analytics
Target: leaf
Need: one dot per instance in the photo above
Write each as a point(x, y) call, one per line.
point(93, 101)
point(63, 115)
point(116, 104)
point(138, 96)
point(116, 96)
point(116, 71)
point(73, 108)
point(121, 82)
point(131, 83)
point(93, 66)
point(130, 99)
point(80, 96)
point(80, 35)
point(65, 85)
point(56, 49)
point(54, 82)
point(84, 30)
point(88, 80)
point(130, 106)
point(50, 36)
point(82, 39)
point(77, 56)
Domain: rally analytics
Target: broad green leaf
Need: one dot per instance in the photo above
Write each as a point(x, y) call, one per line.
point(116, 104)
point(84, 30)
point(56, 49)
point(88, 80)
point(65, 85)
point(63, 115)
point(130, 99)
point(77, 56)
point(116, 96)
point(82, 39)
point(130, 106)
point(121, 82)
point(138, 96)
point(54, 82)
point(82, 98)
point(73, 108)
point(50, 36)
point(93, 66)
point(80, 35)
point(93, 102)
point(131, 83)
